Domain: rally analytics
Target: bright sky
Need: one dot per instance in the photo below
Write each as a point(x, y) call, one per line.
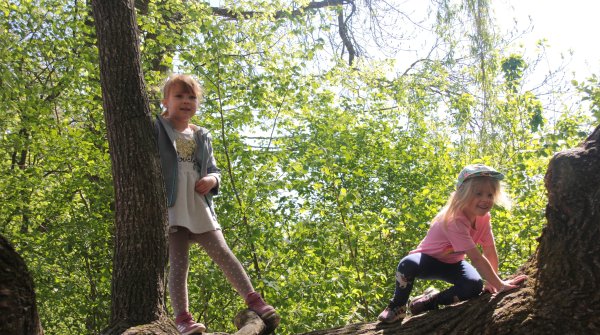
point(566, 25)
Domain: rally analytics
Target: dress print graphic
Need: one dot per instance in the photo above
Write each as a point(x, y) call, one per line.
point(185, 149)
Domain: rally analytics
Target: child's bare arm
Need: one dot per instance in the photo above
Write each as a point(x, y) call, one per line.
point(490, 253)
point(486, 271)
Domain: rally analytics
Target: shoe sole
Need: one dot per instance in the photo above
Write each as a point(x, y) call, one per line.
point(199, 330)
point(271, 320)
point(268, 315)
point(390, 321)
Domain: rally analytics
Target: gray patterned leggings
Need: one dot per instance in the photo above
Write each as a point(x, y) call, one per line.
point(217, 249)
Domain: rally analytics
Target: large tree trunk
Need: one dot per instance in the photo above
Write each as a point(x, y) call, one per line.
point(140, 252)
point(561, 295)
point(567, 297)
point(18, 311)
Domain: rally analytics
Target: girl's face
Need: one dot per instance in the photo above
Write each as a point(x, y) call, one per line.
point(181, 103)
point(481, 202)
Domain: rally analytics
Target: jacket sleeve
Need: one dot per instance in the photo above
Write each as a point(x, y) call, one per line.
point(168, 161)
point(211, 166)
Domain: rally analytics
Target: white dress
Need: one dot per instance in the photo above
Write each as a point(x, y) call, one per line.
point(191, 209)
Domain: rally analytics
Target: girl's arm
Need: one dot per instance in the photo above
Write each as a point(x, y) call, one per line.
point(488, 273)
point(490, 253)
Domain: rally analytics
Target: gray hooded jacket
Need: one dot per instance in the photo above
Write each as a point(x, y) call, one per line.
point(205, 161)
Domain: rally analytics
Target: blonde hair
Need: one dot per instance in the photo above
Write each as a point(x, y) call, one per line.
point(188, 82)
point(460, 198)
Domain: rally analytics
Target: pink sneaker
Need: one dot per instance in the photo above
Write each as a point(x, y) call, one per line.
point(186, 325)
point(425, 302)
point(256, 304)
point(392, 313)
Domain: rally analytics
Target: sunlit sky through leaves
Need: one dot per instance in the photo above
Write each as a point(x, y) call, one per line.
point(566, 26)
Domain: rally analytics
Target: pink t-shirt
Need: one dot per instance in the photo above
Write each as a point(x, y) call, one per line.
point(448, 242)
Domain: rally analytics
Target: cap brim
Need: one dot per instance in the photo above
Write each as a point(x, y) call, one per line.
point(492, 174)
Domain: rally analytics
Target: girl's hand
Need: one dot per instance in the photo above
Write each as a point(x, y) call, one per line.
point(489, 288)
point(205, 184)
point(512, 283)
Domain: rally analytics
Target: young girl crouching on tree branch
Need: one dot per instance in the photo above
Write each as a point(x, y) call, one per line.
point(456, 231)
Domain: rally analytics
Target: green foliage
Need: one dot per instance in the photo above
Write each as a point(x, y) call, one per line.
point(512, 68)
point(56, 181)
point(330, 174)
point(591, 93)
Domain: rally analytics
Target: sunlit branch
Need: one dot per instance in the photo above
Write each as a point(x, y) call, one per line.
point(237, 15)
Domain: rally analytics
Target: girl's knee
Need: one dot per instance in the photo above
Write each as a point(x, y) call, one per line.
point(408, 264)
point(406, 271)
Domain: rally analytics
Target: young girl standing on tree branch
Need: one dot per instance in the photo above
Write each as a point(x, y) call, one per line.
point(456, 230)
point(191, 179)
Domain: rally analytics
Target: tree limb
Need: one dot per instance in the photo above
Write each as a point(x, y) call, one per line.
point(343, 30)
point(238, 15)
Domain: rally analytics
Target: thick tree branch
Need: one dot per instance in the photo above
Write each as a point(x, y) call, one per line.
point(238, 15)
point(342, 23)
point(343, 30)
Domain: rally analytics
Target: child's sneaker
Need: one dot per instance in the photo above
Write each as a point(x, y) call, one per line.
point(256, 304)
point(186, 325)
point(392, 313)
point(424, 302)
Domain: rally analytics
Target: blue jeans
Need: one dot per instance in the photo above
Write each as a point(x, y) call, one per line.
point(467, 282)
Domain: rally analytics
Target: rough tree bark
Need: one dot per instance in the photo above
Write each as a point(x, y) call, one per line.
point(18, 311)
point(561, 295)
point(140, 251)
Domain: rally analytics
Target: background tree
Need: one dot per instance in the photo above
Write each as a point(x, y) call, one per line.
point(56, 186)
point(140, 254)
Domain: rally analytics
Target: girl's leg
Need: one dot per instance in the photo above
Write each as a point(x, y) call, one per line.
point(217, 249)
point(179, 245)
point(408, 269)
point(467, 282)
